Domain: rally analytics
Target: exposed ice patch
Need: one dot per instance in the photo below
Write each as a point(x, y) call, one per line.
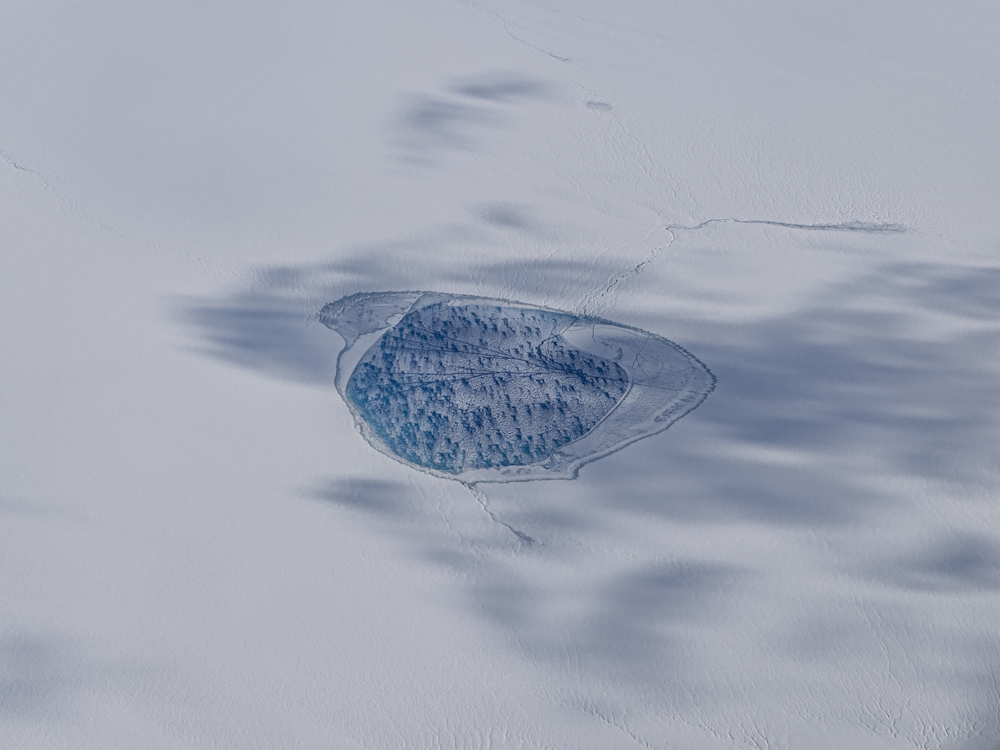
point(486, 390)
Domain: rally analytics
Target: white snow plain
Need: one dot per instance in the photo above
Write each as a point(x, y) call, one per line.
point(198, 548)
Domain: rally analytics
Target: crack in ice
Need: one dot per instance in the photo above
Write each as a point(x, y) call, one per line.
point(674, 229)
point(480, 497)
point(847, 226)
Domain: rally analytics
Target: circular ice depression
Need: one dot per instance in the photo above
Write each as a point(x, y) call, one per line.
point(488, 390)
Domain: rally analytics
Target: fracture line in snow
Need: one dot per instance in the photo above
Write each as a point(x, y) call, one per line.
point(10, 161)
point(621, 727)
point(847, 226)
point(481, 499)
point(72, 209)
point(505, 27)
point(674, 229)
point(634, 270)
point(7, 158)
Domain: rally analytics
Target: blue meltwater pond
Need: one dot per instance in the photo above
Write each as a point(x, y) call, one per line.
point(491, 390)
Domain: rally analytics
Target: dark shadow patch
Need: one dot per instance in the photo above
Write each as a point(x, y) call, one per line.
point(377, 496)
point(676, 592)
point(505, 216)
point(266, 333)
point(964, 563)
point(972, 293)
point(502, 87)
point(639, 611)
point(19, 507)
point(631, 626)
point(432, 123)
point(853, 377)
point(30, 676)
point(690, 485)
point(504, 598)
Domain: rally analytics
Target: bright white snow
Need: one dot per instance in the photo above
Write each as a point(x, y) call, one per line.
point(199, 550)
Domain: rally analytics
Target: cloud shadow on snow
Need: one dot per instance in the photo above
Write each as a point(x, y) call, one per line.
point(265, 333)
point(962, 563)
point(382, 497)
point(852, 376)
point(30, 675)
point(433, 123)
point(509, 216)
point(502, 86)
point(804, 402)
point(632, 627)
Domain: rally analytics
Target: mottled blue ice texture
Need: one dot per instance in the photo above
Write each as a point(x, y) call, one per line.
point(481, 389)
point(476, 386)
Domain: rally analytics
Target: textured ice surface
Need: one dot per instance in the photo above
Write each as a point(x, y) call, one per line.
point(492, 390)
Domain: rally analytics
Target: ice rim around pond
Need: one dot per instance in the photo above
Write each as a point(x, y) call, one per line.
point(488, 390)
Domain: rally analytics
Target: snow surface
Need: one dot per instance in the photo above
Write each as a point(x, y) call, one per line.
point(199, 550)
